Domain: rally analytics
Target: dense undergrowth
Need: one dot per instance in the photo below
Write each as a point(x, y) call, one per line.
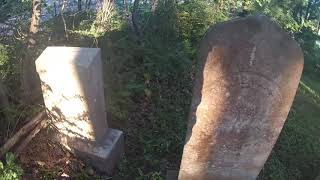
point(149, 80)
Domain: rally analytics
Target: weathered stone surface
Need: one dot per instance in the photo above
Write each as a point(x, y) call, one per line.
point(103, 155)
point(250, 71)
point(72, 85)
point(71, 81)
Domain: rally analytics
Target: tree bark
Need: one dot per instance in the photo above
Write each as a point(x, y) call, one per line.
point(125, 4)
point(4, 103)
point(79, 5)
point(318, 28)
point(88, 3)
point(135, 18)
point(64, 2)
point(55, 8)
point(154, 6)
point(234, 9)
point(35, 22)
point(30, 79)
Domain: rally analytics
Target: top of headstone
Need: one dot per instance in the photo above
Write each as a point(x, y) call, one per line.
point(68, 55)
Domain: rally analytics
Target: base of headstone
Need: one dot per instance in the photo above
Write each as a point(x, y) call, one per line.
point(172, 174)
point(103, 155)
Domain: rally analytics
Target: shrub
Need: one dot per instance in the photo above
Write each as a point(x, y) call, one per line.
point(10, 170)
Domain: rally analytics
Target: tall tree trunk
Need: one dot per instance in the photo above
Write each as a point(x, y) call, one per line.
point(64, 2)
point(135, 18)
point(35, 22)
point(88, 4)
point(125, 4)
point(4, 103)
point(154, 6)
point(30, 79)
point(79, 5)
point(234, 8)
point(55, 8)
point(318, 28)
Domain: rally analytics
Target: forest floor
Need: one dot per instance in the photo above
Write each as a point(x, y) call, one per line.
point(45, 158)
point(296, 154)
point(149, 102)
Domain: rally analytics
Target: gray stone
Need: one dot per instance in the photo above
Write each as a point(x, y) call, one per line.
point(249, 73)
point(172, 174)
point(103, 155)
point(73, 92)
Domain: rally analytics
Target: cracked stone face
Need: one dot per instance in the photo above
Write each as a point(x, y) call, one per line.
point(72, 85)
point(249, 73)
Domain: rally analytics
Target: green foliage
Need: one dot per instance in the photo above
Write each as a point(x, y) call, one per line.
point(282, 13)
point(10, 170)
point(10, 55)
point(4, 61)
point(14, 8)
point(8, 65)
point(195, 17)
point(148, 79)
point(311, 52)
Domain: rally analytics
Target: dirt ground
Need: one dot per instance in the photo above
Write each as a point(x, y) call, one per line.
point(45, 158)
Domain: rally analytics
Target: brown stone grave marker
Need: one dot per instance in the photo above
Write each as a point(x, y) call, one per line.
point(249, 73)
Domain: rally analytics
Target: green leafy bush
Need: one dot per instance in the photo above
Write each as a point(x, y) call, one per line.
point(4, 61)
point(10, 170)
